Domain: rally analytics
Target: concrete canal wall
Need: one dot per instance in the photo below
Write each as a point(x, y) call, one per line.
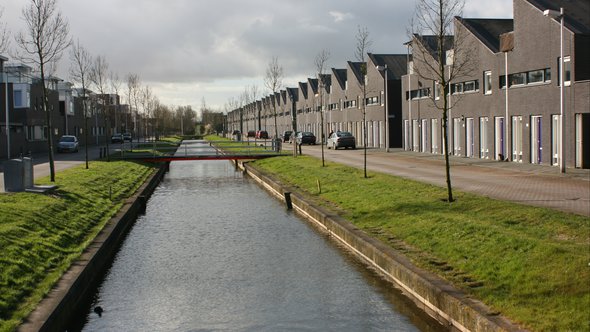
point(55, 310)
point(432, 294)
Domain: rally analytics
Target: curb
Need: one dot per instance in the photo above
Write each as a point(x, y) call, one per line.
point(439, 299)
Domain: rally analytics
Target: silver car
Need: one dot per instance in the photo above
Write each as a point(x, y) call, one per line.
point(341, 139)
point(68, 143)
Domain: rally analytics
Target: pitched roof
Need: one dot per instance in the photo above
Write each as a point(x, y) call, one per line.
point(357, 70)
point(488, 31)
point(293, 93)
point(430, 43)
point(340, 75)
point(397, 64)
point(313, 84)
point(577, 13)
point(303, 89)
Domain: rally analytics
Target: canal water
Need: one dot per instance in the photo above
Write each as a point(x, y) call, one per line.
point(214, 252)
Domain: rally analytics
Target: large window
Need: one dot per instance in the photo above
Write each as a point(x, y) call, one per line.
point(372, 101)
point(465, 87)
point(21, 96)
point(524, 78)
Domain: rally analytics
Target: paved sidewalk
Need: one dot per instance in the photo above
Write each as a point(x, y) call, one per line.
point(536, 185)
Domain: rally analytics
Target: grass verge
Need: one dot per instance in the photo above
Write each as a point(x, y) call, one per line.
point(530, 264)
point(41, 235)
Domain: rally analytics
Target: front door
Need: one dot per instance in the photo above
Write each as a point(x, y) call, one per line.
point(499, 138)
point(469, 144)
point(517, 138)
point(536, 142)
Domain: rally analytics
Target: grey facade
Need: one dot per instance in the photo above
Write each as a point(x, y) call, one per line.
point(520, 123)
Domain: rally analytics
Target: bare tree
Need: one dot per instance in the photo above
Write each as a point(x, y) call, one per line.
point(79, 73)
point(363, 43)
point(115, 84)
point(3, 33)
point(43, 42)
point(321, 63)
point(253, 97)
point(99, 76)
point(447, 61)
point(273, 82)
point(133, 93)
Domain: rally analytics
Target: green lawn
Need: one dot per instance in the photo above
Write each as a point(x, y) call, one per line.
point(41, 235)
point(530, 264)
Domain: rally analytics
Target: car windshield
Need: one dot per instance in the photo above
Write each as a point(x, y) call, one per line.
point(344, 134)
point(67, 139)
point(307, 134)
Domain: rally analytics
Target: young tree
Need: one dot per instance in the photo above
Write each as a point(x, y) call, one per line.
point(45, 38)
point(133, 93)
point(99, 76)
point(115, 83)
point(79, 72)
point(321, 63)
point(449, 60)
point(363, 43)
point(273, 82)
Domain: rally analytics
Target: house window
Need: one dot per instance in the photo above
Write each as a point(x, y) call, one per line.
point(372, 101)
point(487, 82)
point(21, 96)
point(535, 76)
point(517, 79)
point(36, 133)
point(567, 66)
point(436, 91)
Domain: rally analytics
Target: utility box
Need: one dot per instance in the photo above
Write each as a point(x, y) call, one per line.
point(28, 178)
point(14, 175)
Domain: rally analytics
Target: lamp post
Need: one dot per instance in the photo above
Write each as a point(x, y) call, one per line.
point(7, 116)
point(386, 101)
point(554, 14)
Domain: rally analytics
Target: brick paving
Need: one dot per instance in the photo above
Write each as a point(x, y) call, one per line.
point(536, 185)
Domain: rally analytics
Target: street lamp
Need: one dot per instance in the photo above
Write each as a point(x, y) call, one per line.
point(384, 69)
point(5, 74)
point(554, 14)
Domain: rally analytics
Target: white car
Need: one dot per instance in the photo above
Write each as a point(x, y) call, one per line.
point(68, 143)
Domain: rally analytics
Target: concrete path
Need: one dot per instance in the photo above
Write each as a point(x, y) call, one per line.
point(536, 185)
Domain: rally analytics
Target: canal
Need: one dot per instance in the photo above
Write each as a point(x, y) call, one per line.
point(214, 252)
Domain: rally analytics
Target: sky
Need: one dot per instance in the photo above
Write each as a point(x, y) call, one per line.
point(190, 51)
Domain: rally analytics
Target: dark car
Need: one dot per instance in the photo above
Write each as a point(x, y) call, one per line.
point(251, 133)
point(127, 137)
point(341, 139)
point(67, 143)
point(306, 137)
point(117, 138)
point(262, 134)
point(235, 132)
point(286, 135)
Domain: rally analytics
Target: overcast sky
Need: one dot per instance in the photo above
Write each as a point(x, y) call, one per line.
point(187, 50)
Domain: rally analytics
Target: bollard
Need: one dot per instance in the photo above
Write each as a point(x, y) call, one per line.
point(288, 200)
point(100, 153)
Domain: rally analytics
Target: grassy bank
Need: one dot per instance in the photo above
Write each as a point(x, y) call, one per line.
point(41, 235)
point(528, 263)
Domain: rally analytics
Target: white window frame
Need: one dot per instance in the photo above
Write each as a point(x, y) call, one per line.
point(487, 82)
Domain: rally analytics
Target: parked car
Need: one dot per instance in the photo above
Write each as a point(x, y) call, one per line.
point(235, 132)
point(306, 137)
point(117, 138)
point(127, 137)
point(251, 133)
point(262, 134)
point(341, 139)
point(286, 135)
point(68, 143)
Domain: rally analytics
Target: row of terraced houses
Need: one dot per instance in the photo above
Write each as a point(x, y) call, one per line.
point(507, 108)
point(24, 130)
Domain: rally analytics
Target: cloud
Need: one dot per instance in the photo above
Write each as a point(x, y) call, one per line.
point(190, 49)
point(340, 16)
